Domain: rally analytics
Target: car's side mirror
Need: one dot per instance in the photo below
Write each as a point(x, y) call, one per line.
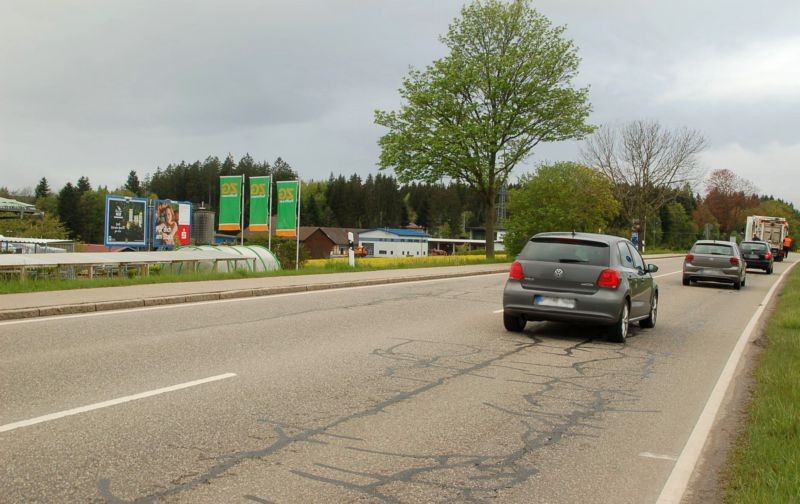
point(652, 268)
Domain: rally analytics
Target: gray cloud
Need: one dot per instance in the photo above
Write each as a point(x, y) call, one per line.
point(101, 87)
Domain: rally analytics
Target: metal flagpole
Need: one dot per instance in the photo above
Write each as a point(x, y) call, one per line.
point(297, 233)
point(241, 213)
point(269, 217)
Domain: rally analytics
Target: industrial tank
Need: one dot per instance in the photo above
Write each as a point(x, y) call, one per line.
point(203, 226)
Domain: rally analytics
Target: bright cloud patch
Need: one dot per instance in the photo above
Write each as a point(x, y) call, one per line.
point(760, 71)
point(775, 169)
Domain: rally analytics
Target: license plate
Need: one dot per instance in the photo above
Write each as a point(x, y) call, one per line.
point(752, 256)
point(553, 301)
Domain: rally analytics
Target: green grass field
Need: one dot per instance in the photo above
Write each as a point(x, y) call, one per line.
point(764, 467)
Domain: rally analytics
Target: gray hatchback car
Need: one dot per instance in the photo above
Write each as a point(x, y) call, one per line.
point(715, 261)
point(582, 278)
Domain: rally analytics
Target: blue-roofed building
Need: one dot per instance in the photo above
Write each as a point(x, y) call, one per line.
point(388, 242)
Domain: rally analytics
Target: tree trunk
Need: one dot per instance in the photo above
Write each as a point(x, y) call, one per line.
point(491, 216)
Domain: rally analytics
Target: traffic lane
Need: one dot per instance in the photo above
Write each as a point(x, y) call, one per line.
point(530, 406)
point(295, 360)
point(125, 352)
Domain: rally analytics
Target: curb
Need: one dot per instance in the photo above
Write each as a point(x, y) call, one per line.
point(69, 309)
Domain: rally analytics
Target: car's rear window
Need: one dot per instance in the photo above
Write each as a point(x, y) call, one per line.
point(566, 250)
point(713, 249)
point(753, 247)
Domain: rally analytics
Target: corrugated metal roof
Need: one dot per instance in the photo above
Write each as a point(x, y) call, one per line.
point(399, 232)
point(76, 258)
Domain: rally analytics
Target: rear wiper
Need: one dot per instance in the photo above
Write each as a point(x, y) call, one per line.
point(570, 260)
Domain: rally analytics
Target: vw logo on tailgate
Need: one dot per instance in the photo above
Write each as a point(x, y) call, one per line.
point(558, 273)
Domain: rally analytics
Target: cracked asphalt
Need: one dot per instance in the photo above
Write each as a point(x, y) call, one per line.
point(400, 393)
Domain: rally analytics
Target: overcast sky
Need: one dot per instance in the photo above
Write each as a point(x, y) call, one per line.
point(102, 87)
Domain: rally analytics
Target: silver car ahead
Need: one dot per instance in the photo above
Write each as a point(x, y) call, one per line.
point(715, 261)
point(581, 277)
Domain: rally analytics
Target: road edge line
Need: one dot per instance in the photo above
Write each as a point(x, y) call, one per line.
point(678, 481)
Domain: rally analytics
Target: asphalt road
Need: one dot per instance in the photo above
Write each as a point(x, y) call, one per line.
point(398, 393)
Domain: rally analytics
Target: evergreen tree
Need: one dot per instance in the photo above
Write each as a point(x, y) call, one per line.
point(132, 184)
point(42, 189)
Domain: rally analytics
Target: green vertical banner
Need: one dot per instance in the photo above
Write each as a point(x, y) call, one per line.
point(259, 204)
point(230, 202)
point(286, 224)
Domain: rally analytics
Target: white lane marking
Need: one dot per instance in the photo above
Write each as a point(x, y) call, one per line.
point(230, 300)
point(657, 456)
point(668, 274)
point(678, 480)
point(112, 402)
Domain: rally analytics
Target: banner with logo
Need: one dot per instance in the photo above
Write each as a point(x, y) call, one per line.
point(171, 223)
point(126, 222)
point(259, 204)
point(286, 224)
point(230, 202)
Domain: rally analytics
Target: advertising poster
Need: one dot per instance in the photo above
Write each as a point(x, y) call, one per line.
point(172, 223)
point(259, 204)
point(286, 224)
point(230, 202)
point(126, 222)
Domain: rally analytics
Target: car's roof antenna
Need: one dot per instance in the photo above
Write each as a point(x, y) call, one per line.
point(573, 233)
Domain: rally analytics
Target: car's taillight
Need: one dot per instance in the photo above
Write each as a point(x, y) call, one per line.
point(515, 273)
point(734, 261)
point(608, 278)
point(689, 258)
point(768, 256)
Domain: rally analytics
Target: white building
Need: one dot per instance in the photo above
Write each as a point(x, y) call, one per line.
point(394, 242)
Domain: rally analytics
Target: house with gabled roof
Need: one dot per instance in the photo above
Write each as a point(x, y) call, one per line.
point(324, 242)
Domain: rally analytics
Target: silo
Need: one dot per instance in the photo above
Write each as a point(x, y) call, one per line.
point(203, 226)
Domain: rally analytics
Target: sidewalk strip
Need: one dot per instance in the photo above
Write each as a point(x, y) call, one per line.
point(112, 402)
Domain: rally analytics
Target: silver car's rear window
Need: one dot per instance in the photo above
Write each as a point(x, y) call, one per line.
point(713, 249)
point(566, 250)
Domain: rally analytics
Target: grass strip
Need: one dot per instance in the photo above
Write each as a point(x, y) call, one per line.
point(764, 466)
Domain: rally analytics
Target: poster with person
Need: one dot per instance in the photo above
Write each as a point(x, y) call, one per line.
point(172, 223)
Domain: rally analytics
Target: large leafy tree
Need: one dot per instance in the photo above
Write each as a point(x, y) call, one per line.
point(475, 114)
point(558, 197)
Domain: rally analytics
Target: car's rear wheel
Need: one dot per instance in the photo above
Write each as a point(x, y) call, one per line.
point(514, 323)
point(744, 280)
point(769, 270)
point(619, 331)
point(737, 285)
point(686, 281)
point(650, 321)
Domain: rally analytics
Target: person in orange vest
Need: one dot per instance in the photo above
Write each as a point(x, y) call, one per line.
point(787, 244)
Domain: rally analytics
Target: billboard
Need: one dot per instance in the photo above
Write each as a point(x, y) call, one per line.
point(126, 222)
point(171, 223)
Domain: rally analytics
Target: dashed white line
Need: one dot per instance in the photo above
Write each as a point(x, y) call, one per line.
point(658, 456)
point(112, 402)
